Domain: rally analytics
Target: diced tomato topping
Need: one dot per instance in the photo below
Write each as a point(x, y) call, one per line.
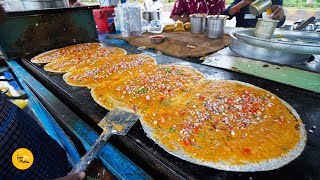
point(162, 98)
point(239, 92)
point(245, 108)
point(201, 98)
point(144, 82)
point(247, 150)
point(186, 142)
point(183, 113)
point(231, 101)
point(253, 110)
point(196, 128)
point(185, 126)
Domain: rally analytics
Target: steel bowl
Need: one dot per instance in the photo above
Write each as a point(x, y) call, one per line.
point(157, 39)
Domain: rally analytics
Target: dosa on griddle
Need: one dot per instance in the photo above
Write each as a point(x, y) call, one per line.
point(222, 124)
point(101, 71)
point(227, 125)
point(61, 53)
point(82, 59)
point(146, 87)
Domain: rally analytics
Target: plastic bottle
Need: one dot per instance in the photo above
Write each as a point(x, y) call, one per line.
point(117, 21)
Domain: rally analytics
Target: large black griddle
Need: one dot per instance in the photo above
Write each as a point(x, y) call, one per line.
point(160, 164)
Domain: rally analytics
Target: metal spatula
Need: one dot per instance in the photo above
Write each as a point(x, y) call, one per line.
point(116, 122)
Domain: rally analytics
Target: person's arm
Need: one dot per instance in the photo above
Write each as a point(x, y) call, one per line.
point(3, 15)
point(235, 7)
point(183, 18)
point(179, 12)
point(238, 6)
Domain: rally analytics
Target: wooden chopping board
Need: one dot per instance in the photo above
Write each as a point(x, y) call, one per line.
point(176, 43)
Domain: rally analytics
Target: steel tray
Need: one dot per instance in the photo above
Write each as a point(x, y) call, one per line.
point(288, 41)
point(265, 54)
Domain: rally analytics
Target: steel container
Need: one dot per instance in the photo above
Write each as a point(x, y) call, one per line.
point(43, 4)
point(215, 26)
point(265, 28)
point(198, 23)
point(151, 15)
point(259, 6)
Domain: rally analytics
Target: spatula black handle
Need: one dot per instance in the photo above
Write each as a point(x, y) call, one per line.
point(93, 151)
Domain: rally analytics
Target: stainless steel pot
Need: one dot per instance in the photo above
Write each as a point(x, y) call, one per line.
point(259, 6)
point(151, 15)
point(198, 22)
point(215, 26)
point(44, 4)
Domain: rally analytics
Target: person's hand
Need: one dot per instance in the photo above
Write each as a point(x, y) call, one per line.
point(185, 18)
point(247, 2)
point(76, 176)
point(278, 12)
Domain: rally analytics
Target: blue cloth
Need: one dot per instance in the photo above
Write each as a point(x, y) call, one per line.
point(19, 130)
point(241, 22)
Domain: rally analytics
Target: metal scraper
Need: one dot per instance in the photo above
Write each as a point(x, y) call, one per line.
point(117, 122)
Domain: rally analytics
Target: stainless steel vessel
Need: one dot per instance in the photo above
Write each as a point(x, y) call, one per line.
point(215, 26)
point(151, 15)
point(44, 4)
point(265, 28)
point(198, 22)
point(259, 6)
